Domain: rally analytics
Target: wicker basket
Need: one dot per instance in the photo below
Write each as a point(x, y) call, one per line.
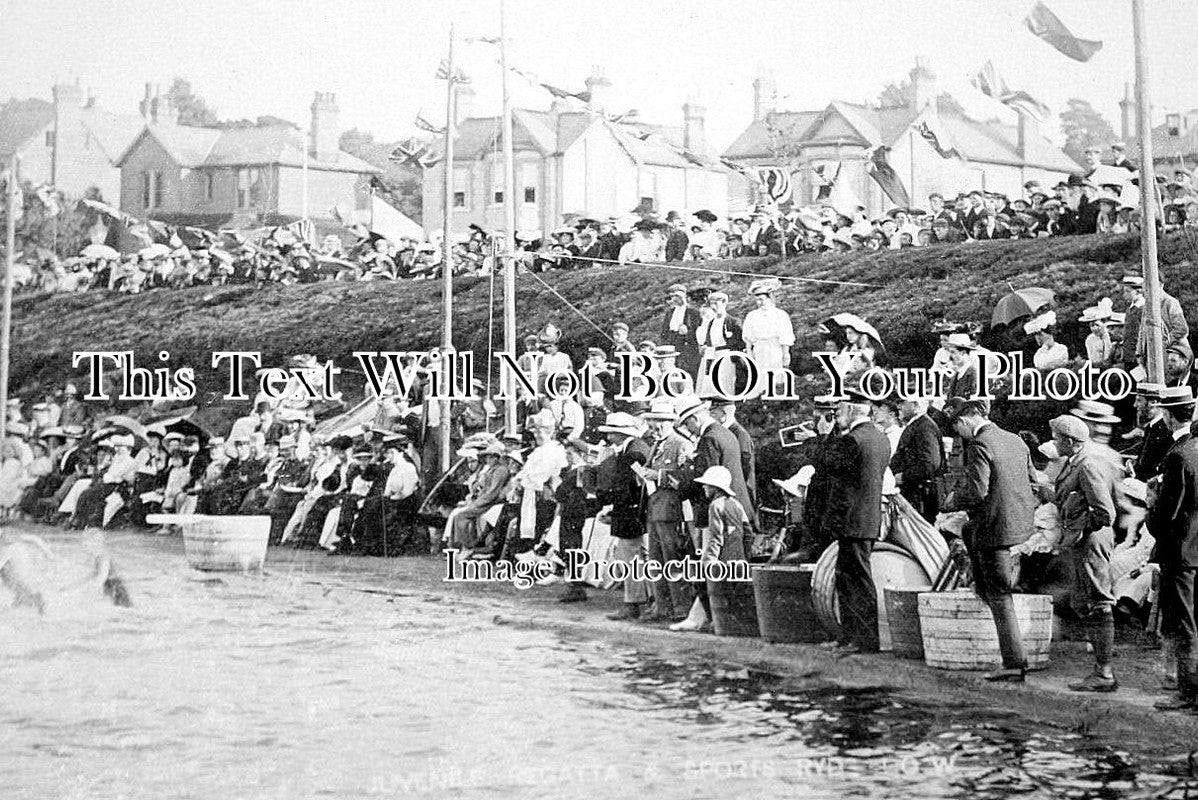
point(958, 630)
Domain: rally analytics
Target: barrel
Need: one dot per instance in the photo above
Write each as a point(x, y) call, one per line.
point(890, 566)
point(902, 616)
point(220, 544)
point(733, 611)
point(785, 612)
point(958, 630)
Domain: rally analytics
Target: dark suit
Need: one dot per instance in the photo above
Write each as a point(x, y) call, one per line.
point(919, 458)
point(823, 493)
point(856, 517)
point(1174, 523)
point(1157, 442)
point(685, 342)
point(676, 245)
point(716, 447)
point(624, 491)
point(997, 493)
point(748, 464)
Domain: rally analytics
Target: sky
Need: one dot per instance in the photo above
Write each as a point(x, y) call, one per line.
point(250, 58)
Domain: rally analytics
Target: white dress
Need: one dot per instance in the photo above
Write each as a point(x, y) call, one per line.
point(767, 332)
point(1050, 357)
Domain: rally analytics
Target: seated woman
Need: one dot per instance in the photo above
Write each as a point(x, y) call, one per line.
point(386, 522)
point(112, 486)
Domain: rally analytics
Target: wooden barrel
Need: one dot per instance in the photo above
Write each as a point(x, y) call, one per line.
point(785, 612)
point(733, 611)
point(890, 565)
point(902, 616)
point(221, 544)
point(958, 630)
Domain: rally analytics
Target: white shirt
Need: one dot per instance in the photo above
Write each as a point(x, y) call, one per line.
point(677, 317)
point(402, 481)
point(768, 323)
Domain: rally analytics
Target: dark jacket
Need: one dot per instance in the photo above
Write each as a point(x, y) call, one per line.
point(856, 513)
point(686, 343)
point(624, 491)
point(1158, 440)
point(920, 452)
point(748, 463)
point(676, 245)
point(997, 489)
point(1174, 518)
point(716, 447)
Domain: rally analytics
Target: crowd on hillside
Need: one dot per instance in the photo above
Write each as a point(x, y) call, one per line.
point(1102, 198)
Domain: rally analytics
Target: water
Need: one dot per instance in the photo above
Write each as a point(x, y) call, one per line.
point(243, 687)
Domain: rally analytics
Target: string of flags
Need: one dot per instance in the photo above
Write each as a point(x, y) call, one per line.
point(459, 76)
point(428, 127)
point(937, 140)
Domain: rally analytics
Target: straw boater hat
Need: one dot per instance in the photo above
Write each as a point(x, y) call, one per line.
point(1174, 396)
point(1040, 323)
point(662, 410)
point(826, 402)
point(621, 422)
point(1099, 313)
point(665, 351)
point(687, 405)
point(716, 296)
point(1096, 412)
point(286, 441)
point(961, 341)
point(717, 476)
point(1133, 280)
point(121, 440)
point(1151, 391)
point(550, 334)
point(766, 286)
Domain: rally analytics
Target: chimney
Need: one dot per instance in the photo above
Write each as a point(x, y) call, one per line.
point(923, 86)
point(600, 88)
point(144, 105)
point(1028, 131)
point(694, 135)
point(765, 96)
point(326, 135)
point(463, 103)
point(1127, 113)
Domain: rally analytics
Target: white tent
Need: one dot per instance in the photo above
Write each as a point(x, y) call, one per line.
point(389, 222)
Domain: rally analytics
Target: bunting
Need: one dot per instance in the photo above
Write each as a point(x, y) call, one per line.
point(428, 127)
point(414, 154)
point(1047, 26)
point(937, 141)
point(458, 76)
point(884, 175)
point(991, 84)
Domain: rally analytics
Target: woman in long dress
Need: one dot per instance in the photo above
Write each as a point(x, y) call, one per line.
point(767, 331)
point(1099, 349)
point(1050, 354)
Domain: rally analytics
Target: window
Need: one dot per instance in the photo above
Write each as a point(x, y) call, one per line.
point(498, 197)
point(145, 190)
point(49, 138)
point(209, 186)
point(648, 204)
point(459, 199)
point(243, 188)
point(530, 194)
point(158, 190)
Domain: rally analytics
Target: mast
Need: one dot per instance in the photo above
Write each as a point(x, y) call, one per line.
point(10, 245)
point(509, 230)
point(447, 258)
point(1155, 361)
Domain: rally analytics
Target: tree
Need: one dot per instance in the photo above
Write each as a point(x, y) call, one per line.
point(400, 185)
point(193, 109)
point(902, 93)
point(1083, 126)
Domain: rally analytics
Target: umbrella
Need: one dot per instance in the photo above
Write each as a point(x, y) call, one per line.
point(845, 320)
point(1021, 303)
point(99, 251)
point(128, 423)
point(1105, 173)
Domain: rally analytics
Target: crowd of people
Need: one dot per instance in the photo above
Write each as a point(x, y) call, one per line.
point(676, 477)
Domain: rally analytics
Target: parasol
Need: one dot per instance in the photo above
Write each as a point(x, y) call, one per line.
point(99, 251)
point(1021, 303)
point(846, 320)
point(128, 423)
point(1105, 174)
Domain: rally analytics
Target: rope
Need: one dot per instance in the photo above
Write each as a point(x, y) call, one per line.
point(572, 307)
point(665, 265)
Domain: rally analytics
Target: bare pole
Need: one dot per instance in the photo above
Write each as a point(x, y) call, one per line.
point(509, 230)
point(1155, 357)
point(447, 257)
point(10, 246)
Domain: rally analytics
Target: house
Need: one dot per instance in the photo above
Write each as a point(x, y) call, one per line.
point(243, 177)
point(1174, 143)
point(71, 143)
point(837, 142)
point(576, 161)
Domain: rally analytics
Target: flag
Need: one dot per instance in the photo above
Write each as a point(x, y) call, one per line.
point(732, 165)
point(841, 197)
point(483, 40)
point(884, 175)
point(991, 84)
point(776, 182)
point(335, 213)
point(562, 94)
point(1046, 25)
point(304, 230)
point(823, 181)
point(414, 154)
point(458, 75)
point(424, 125)
point(48, 197)
point(937, 141)
point(389, 222)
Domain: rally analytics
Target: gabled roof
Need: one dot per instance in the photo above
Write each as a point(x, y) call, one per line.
point(21, 120)
point(280, 145)
point(113, 132)
point(1164, 146)
point(997, 143)
point(757, 140)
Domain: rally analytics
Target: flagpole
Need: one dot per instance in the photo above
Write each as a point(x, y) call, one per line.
point(304, 176)
point(10, 246)
point(447, 256)
point(1155, 361)
point(509, 230)
point(911, 154)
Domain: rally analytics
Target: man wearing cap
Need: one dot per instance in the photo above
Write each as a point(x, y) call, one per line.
point(715, 446)
point(855, 514)
point(997, 494)
point(73, 411)
point(1087, 495)
point(1175, 329)
point(678, 329)
point(1119, 157)
point(717, 334)
point(677, 240)
point(623, 494)
point(1173, 521)
point(668, 540)
point(1156, 431)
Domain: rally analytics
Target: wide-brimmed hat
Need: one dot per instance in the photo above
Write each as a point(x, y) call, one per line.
point(765, 286)
point(621, 422)
point(703, 215)
point(1134, 280)
point(550, 334)
point(717, 476)
point(286, 441)
point(687, 405)
point(1094, 411)
point(662, 410)
point(1040, 323)
point(961, 341)
point(121, 440)
point(1151, 391)
point(543, 420)
point(1099, 313)
point(719, 295)
point(665, 351)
